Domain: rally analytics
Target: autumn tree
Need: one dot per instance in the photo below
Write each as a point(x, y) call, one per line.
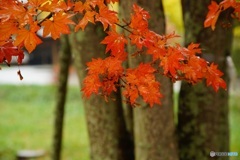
point(203, 113)
point(107, 132)
point(153, 58)
point(64, 63)
point(154, 128)
point(20, 22)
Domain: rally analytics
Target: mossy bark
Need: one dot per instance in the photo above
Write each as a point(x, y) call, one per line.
point(64, 63)
point(203, 114)
point(109, 139)
point(153, 127)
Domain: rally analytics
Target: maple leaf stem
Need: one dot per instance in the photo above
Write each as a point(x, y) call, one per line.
point(124, 27)
point(47, 17)
point(7, 63)
point(39, 13)
point(123, 80)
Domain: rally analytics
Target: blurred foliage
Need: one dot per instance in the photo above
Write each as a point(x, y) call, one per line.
point(173, 13)
point(236, 49)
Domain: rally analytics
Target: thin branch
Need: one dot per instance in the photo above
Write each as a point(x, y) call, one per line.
point(124, 27)
point(47, 17)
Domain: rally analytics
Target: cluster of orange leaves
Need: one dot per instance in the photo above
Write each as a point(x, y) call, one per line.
point(215, 10)
point(20, 23)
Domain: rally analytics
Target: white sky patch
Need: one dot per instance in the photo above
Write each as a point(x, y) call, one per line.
point(23, 1)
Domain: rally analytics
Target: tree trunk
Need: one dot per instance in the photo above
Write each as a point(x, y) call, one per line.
point(153, 127)
point(109, 139)
point(64, 61)
point(203, 114)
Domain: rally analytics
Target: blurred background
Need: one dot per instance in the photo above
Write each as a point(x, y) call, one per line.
point(27, 106)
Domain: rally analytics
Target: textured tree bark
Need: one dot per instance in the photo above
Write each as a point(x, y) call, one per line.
point(64, 61)
point(153, 127)
point(109, 139)
point(203, 114)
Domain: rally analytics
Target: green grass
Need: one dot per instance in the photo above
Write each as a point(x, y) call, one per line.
point(234, 123)
point(236, 53)
point(26, 122)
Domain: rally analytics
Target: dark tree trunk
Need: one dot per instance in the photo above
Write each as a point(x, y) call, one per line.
point(153, 127)
point(109, 139)
point(203, 114)
point(64, 61)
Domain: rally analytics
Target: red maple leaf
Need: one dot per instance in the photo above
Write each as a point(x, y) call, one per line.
point(88, 17)
point(108, 71)
point(214, 77)
point(115, 43)
point(141, 81)
point(194, 69)
point(137, 40)
point(193, 49)
point(8, 50)
point(212, 16)
point(228, 3)
point(139, 20)
point(91, 85)
point(113, 67)
point(171, 62)
point(96, 66)
point(141, 12)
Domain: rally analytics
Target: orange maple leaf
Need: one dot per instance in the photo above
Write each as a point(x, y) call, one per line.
point(113, 67)
point(16, 11)
point(54, 6)
point(131, 92)
point(193, 49)
point(36, 3)
point(93, 3)
point(157, 52)
point(7, 29)
point(228, 3)
point(150, 90)
point(194, 69)
point(88, 17)
point(139, 20)
point(28, 38)
point(141, 81)
point(115, 43)
point(79, 7)
point(11, 9)
point(212, 16)
point(111, 1)
point(58, 25)
point(105, 73)
point(92, 85)
point(106, 17)
point(96, 66)
point(214, 77)
point(171, 62)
